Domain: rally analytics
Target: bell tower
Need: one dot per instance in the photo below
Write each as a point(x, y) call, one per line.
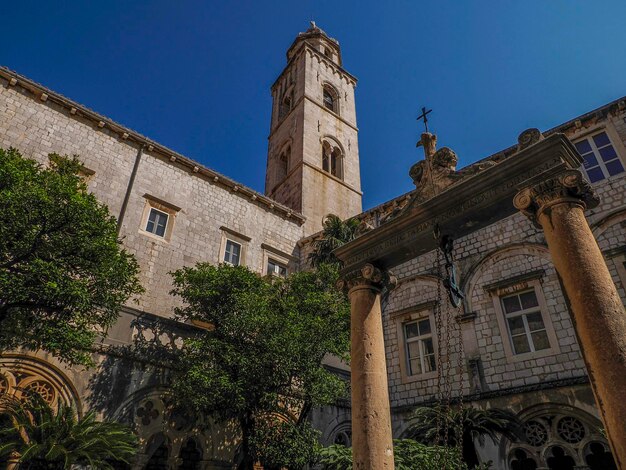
point(313, 151)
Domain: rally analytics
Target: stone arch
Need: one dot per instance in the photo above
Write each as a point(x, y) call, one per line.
point(20, 373)
point(474, 272)
point(412, 290)
point(551, 426)
point(340, 423)
point(600, 226)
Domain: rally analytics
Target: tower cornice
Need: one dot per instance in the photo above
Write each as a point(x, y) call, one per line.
point(306, 46)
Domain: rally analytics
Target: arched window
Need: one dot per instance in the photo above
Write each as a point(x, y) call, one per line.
point(330, 99)
point(282, 168)
point(332, 160)
point(286, 104)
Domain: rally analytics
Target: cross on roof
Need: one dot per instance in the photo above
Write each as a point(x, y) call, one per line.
point(424, 117)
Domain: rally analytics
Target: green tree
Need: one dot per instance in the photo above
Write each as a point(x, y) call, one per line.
point(477, 424)
point(63, 273)
point(43, 438)
point(335, 233)
point(263, 355)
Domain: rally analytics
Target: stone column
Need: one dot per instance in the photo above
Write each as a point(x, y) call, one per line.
point(372, 446)
point(557, 206)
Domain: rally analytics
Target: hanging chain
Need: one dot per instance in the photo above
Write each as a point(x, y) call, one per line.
point(460, 373)
point(448, 332)
point(439, 333)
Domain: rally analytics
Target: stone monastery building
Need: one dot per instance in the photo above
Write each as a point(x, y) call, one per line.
point(521, 352)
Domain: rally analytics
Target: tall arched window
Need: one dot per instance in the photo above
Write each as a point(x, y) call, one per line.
point(285, 104)
point(330, 99)
point(332, 160)
point(282, 167)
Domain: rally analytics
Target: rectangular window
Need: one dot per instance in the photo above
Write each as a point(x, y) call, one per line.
point(275, 268)
point(524, 320)
point(420, 350)
point(157, 222)
point(600, 160)
point(232, 253)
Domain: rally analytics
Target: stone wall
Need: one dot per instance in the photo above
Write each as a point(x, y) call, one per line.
point(203, 209)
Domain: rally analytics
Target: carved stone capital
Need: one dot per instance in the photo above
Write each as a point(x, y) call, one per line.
point(569, 186)
point(368, 276)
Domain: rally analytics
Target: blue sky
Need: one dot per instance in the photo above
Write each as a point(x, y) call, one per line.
point(195, 75)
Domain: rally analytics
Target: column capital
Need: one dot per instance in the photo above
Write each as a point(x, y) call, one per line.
point(367, 276)
point(567, 187)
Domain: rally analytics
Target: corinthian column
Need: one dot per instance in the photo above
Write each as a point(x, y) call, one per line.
point(372, 446)
point(557, 206)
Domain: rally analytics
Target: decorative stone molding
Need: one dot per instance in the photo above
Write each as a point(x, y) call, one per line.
point(569, 186)
point(528, 137)
point(367, 276)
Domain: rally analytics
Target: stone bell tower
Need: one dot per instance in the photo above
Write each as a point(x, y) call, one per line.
point(313, 152)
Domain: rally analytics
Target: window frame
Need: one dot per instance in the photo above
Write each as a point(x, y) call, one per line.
point(334, 95)
point(232, 243)
point(278, 264)
point(420, 339)
point(524, 313)
point(159, 205)
point(504, 289)
point(229, 235)
point(595, 150)
point(404, 317)
point(270, 252)
point(614, 136)
point(155, 222)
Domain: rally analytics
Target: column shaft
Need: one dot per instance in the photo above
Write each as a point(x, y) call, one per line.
point(372, 445)
point(598, 313)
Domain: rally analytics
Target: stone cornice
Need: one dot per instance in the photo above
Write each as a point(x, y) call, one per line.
point(502, 392)
point(309, 48)
point(77, 111)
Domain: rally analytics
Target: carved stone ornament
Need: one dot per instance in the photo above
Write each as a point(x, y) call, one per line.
point(442, 173)
point(569, 186)
point(367, 276)
point(528, 137)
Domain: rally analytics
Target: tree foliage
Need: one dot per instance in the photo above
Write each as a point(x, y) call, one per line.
point(63, 273)
point(408, 455)
point(477, 425)
point(335, 233)
point(44, 438)
point(263, 355)
point(281, 444)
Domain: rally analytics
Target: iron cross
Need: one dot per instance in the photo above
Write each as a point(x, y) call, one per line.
point(424, 117)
